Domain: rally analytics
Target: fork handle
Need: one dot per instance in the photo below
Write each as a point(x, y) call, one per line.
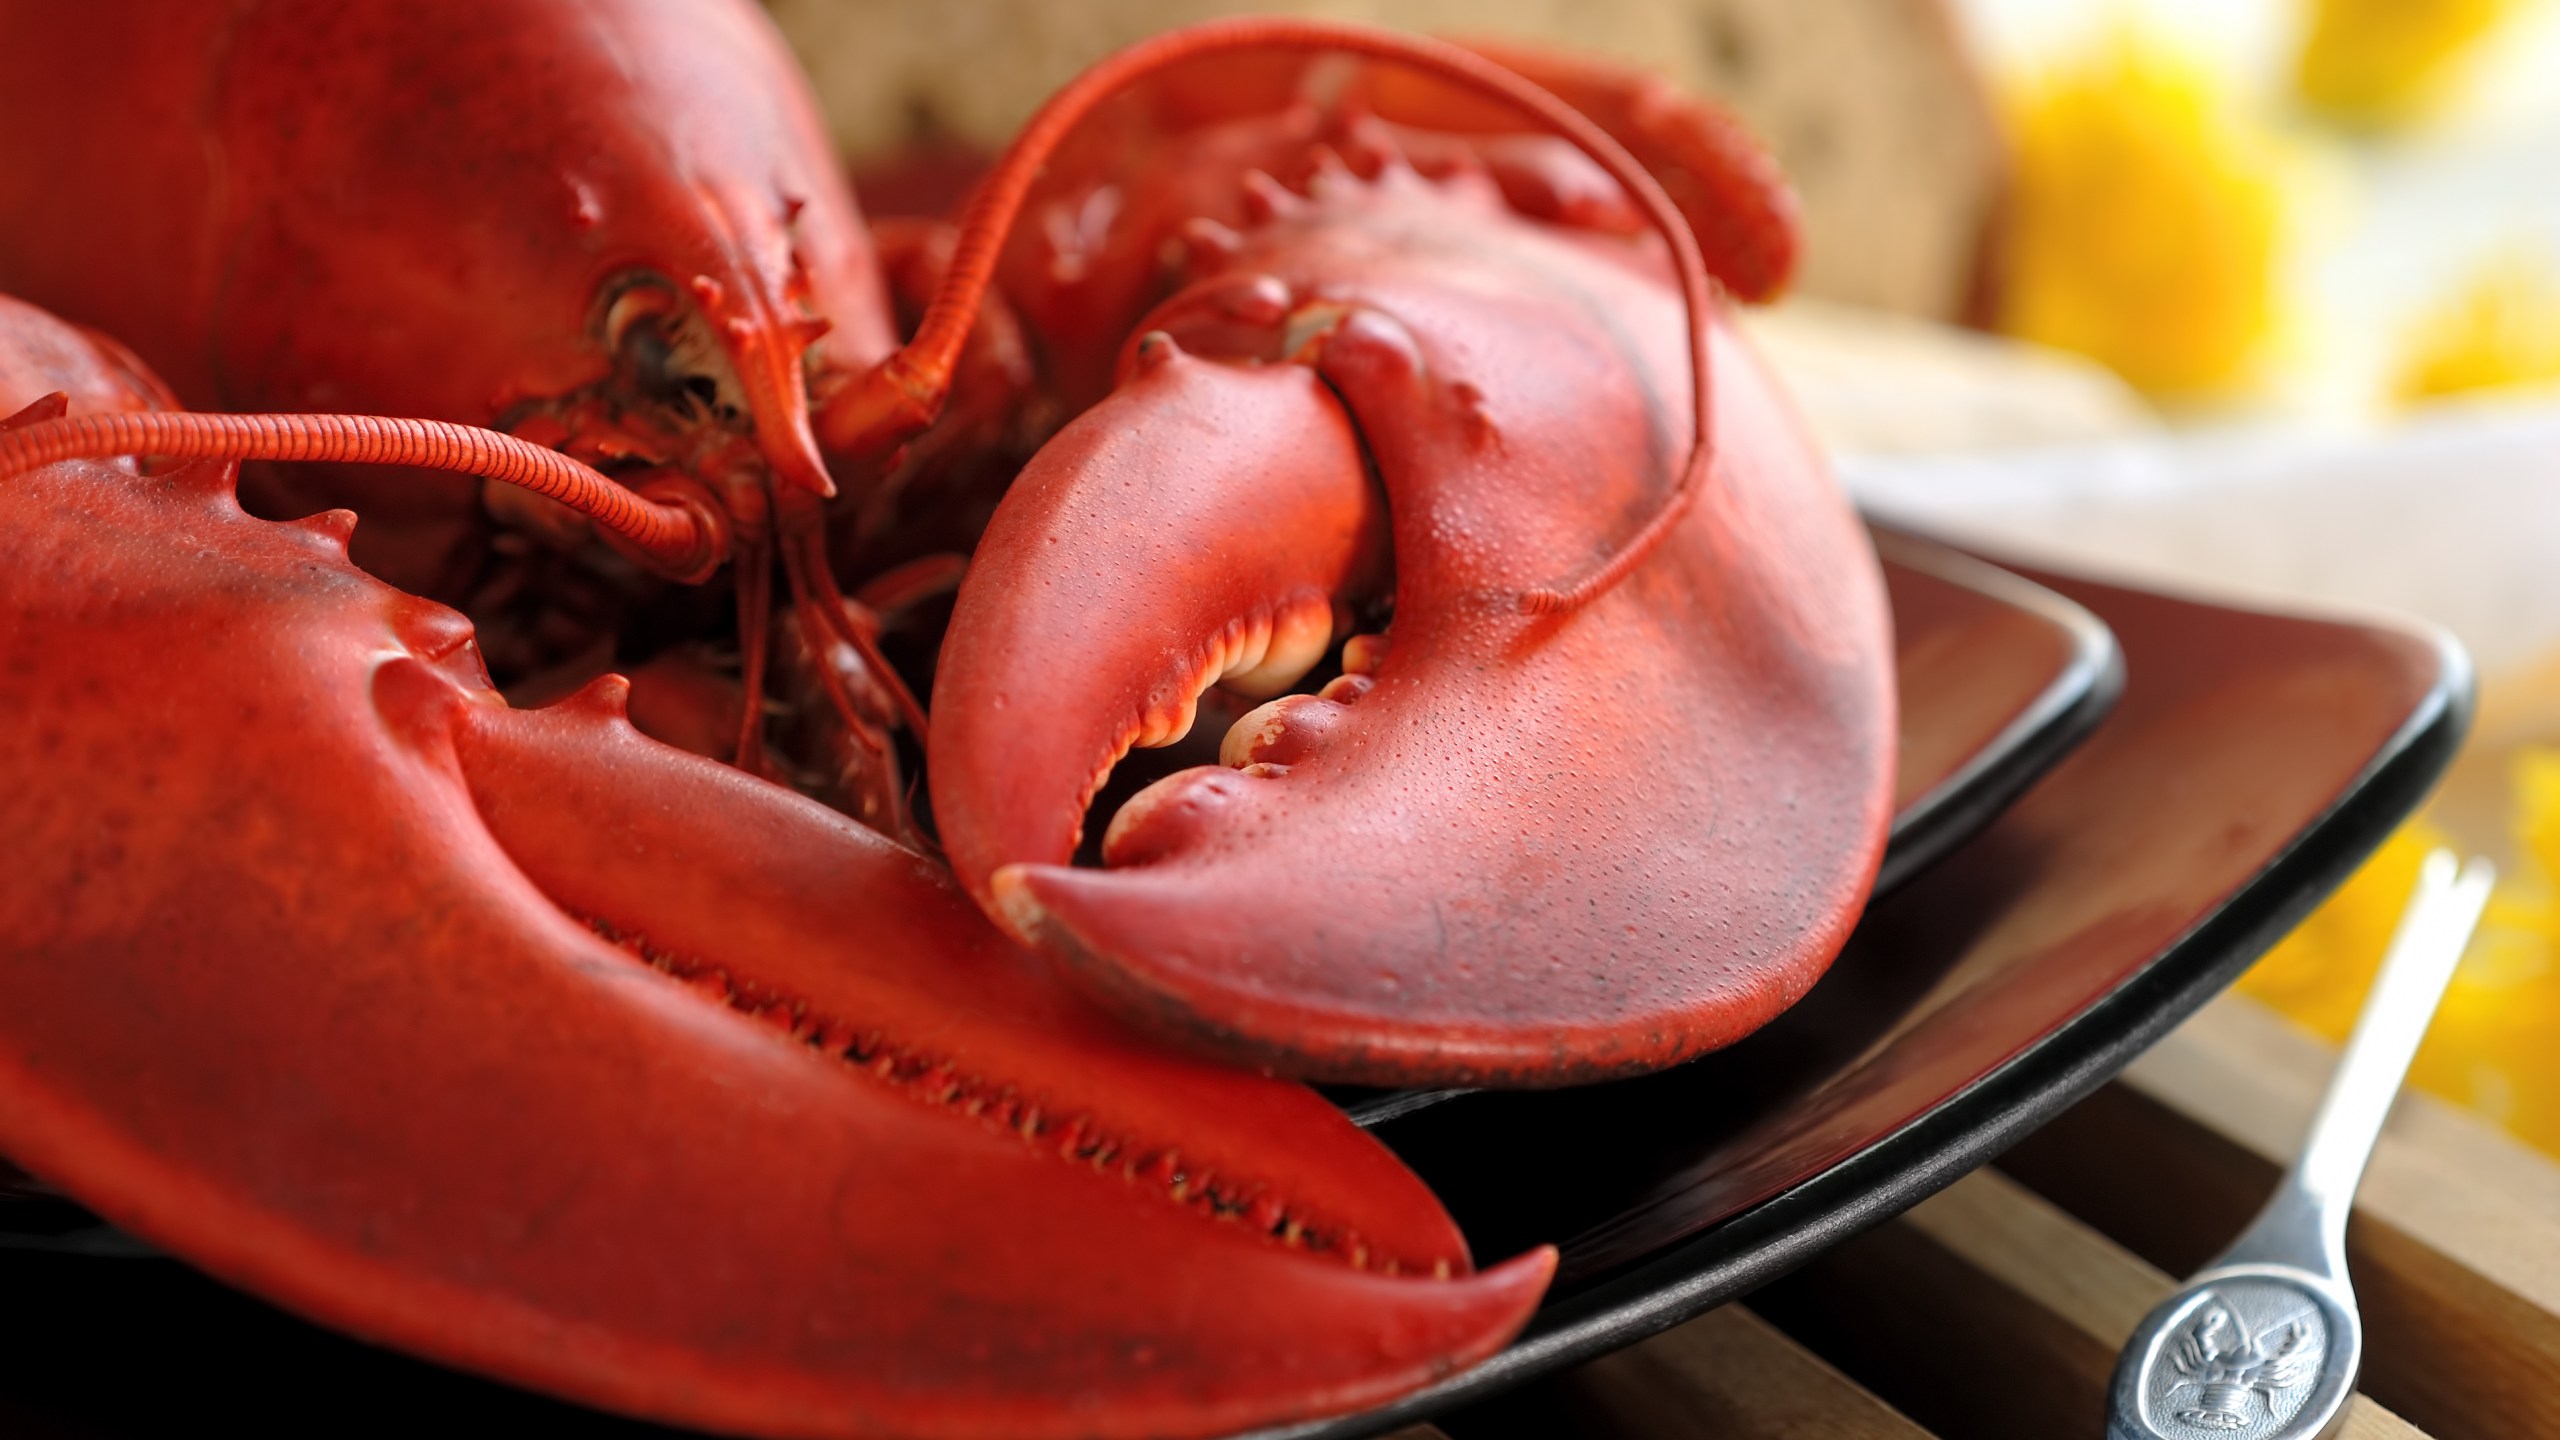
point(2304, 1224)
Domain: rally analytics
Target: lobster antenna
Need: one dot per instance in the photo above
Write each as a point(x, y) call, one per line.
point(904, 393)
point(681, 533)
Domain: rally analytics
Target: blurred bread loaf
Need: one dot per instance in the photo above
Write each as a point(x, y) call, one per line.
point(1872, 105)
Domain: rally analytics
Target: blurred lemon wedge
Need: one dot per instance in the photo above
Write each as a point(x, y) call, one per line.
point(2148, 217)
point(2495, 1044)
point(2379, 63)
point(2500, 329)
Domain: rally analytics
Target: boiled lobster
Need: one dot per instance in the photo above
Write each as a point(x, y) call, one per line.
point(306, 205)
point(518, 1039)
point(638, 1079)
point(1438, 870)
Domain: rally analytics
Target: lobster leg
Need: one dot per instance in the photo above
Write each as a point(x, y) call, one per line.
point(521, 1041)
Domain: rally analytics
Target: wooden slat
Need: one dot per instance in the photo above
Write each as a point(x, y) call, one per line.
point(2456, 1242)
point(1726, 1374)
point(1987, 1313)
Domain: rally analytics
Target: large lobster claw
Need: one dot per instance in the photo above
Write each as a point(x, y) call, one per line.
point(1093, 616)
point(522, 1041)
point(1528, 849)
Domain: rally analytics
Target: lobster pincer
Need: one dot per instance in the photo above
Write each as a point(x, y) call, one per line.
point(524, 1042)
point(1588, 805)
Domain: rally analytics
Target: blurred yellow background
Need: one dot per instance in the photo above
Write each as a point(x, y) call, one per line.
point(2331, 212)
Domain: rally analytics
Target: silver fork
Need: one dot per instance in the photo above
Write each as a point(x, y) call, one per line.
point(2264, 1342)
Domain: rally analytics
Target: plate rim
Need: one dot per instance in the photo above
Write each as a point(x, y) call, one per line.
point(2081, 694)
point(1967, 1128)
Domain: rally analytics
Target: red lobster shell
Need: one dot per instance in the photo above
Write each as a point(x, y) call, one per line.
point(315, 205)
point(1517, 847)
point(520, 1040)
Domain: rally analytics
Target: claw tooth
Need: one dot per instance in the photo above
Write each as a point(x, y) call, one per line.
point(1016, 908)
point(1168, 815)
point(1363, 654)
point(1162, 729)
point(1300, 629)
point(1245, 648)
point(1345, 688)
point(1272, 737)
point(1257, 731)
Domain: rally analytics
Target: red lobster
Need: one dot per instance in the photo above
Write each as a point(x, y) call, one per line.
point(1612, 788)
point(312, 205)
point(554, 930)
point(637, 1079)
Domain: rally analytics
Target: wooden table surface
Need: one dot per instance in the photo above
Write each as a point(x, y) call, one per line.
point(1994, 1311)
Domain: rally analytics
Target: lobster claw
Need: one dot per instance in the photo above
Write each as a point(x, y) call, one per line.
point(521, 1041)
point(1521, 849)
point(1093, 617)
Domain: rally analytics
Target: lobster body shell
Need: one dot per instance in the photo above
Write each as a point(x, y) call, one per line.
point(1524, 849)
point(519, 1040)
point(89, 371)
point(1155, 170)
point(394, 209)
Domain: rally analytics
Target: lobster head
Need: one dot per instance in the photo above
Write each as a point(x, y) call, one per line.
point(358, 215)
point(49, 357)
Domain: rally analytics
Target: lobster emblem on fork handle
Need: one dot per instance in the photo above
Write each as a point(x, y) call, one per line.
point(2239, 1372)
point(2266, 1342)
